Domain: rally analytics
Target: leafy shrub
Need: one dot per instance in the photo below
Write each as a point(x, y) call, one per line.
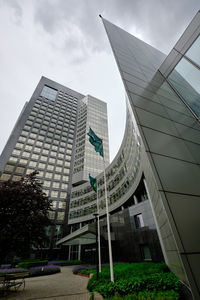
point(81, 269)
point(6, 266)
point(86, 269)
point(166, 295)
point(32, 263)
point(165, 281)
point(33, 271)
point(65, 262)
point(134, 278)
point(43, 270)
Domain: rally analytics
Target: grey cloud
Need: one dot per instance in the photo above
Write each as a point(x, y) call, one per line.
point(166, 20)
point(17, 10)
point(160, 22)
point(64, 16)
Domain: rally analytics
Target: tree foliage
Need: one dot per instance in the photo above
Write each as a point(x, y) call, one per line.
point(23, 216)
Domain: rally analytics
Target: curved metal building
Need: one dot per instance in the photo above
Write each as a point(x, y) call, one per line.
point(164, 96)
point(155, 175)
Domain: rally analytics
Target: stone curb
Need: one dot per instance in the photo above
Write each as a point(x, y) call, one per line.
point(97, 296)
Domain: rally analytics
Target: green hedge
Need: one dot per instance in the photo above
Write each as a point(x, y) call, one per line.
point(33, 263)
point(158, 282)
point(72, 262)
point(12, 270)
point(46, 270)
point(134, 278)
point(166, 295)
point(15, 262)
point(65, 262)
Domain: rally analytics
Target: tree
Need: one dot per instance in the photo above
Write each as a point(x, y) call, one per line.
point(23, 216)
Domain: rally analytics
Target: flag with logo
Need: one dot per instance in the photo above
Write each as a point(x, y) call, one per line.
point(93, 183)
point(96, 142)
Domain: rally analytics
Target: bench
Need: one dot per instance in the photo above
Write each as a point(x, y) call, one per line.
point(14, 281)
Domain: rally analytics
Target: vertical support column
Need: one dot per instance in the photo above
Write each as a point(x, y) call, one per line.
point(99, 232)
point(97, 252)
point(69, 255)
point(79, 252)
point(79, 246)
point(135, 199)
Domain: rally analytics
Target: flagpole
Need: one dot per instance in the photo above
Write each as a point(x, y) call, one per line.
point(99, 239)
point(98, 146)
point(108, 226)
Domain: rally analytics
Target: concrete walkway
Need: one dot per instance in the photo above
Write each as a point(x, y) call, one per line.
point(61, 286)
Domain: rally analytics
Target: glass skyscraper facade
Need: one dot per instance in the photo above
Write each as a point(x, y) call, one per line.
point(44, 139)
point(92, 113)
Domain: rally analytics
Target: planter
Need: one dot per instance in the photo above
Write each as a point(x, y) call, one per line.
point(84, 275)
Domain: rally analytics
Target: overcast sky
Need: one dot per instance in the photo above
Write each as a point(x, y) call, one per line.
point(65, 41)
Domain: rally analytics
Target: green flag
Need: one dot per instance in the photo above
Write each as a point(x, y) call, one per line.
point(93, 183)
point(96, 142)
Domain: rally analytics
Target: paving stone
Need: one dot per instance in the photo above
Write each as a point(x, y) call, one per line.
point(60, 286)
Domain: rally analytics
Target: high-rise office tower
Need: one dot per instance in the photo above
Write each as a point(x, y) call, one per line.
point(49, 133)
point(92, 113)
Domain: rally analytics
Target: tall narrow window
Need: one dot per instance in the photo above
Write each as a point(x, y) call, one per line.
point(138, 221)
point(145, 251)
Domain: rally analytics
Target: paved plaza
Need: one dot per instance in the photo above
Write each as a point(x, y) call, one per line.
point(61, 286)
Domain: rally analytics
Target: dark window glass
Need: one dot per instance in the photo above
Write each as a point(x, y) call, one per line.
point(145, 251)
point(138, 221)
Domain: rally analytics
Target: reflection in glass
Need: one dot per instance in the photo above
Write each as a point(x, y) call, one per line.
point(194, 51)
point(186, 80)
point(49, 93)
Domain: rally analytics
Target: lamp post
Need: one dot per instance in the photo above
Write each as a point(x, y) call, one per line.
point(97, 256)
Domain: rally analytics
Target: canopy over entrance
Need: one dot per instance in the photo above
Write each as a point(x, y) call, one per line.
point(83, 236)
